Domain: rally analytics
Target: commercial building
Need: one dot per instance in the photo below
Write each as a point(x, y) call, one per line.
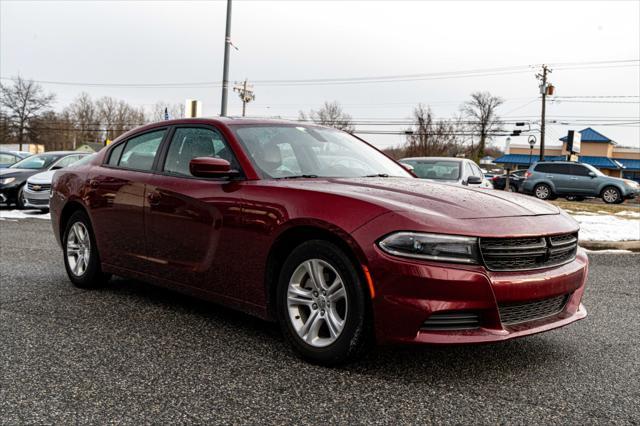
point(596, 149)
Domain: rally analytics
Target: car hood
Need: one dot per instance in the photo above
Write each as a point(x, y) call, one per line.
point(18, 173)
point(43, 177)
point(429, 198)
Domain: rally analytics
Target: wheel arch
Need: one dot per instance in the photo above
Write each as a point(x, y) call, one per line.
point(297, 234)
point(67, 211)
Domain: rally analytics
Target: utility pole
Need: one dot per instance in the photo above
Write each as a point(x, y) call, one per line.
point(246, 94)
point(225, 69)
point(544, 90)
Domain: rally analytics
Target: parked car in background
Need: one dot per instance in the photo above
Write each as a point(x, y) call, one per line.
point(317, 230)
point(550, 180)
point(515, 180)
point(8, 158)
point(458, 171)
point(36, 193)
point(14, 178)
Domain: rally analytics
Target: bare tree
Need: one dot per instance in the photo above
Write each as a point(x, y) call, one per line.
point(157, 111)
point(84, 115)
point(127, 117)
point(23, 101)
point(52, 130)
point(483, 120)
point(330, 114)
point(431, 137)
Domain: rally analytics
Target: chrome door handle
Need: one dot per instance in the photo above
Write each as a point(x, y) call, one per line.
point(574, 178)
point(154, 197)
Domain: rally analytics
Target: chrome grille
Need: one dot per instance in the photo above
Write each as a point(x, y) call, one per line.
point(460, 320)
point(515, 254)
point(514, 313)
point(38, 187)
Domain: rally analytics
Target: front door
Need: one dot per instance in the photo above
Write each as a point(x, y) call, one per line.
point(117, 196)
point(581, 182)
point(193, 224)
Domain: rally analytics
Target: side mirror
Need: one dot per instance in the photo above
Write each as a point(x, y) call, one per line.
point(592, 174)
point(209, 167)
point(407, 167)
point(474, 180)
point(56, 168)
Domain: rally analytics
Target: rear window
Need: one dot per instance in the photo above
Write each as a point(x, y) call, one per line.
point(563, 169)
point(138, 153)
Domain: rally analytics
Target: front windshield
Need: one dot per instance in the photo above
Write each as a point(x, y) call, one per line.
point(36, 162)
point(287, 151)
point(436, 169)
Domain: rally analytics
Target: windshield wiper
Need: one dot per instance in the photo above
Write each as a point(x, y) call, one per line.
point(378, 175)
point(298, 177)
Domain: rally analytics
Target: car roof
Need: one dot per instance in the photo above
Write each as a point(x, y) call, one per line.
point(61, 152)
point(434, 158)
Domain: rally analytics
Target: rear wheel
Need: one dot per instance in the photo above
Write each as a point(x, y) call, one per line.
point(543, 191)
point(81, 258)
point(322, 305)
point(611, 195)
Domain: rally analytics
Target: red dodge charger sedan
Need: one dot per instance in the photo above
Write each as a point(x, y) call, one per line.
point(316, 229)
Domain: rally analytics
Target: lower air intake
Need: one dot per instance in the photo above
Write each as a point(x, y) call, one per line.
point(447, 321)
point(515, 313)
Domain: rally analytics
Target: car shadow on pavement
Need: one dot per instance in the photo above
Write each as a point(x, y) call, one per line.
point(408, 363)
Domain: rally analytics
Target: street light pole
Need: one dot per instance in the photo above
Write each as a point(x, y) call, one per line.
point(225, 69)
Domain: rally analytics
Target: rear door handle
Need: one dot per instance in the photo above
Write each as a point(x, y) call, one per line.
point(574, 178)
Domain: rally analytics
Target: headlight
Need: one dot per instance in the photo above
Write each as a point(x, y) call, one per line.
point(633, 184)
point(443, 248)
point(7, 181)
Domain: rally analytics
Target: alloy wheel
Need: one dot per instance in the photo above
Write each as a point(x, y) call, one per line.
point(317, 303)
point(542, 192)
point(610, 195)
point(78, 249)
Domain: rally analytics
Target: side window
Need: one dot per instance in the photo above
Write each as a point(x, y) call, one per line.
point(476, 170)
point(579, 170)
point(7, 159)
point(140, 151)
point(66, 161)
point(562, 169)
point(116, 152)
point(542, 168)
point(188, 143)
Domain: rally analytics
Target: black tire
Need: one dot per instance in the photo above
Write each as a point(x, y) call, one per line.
point(20, 200)
point(611, 195)
point(356, 335)
point(543, 191)
point(574, 198)
point(92, 276)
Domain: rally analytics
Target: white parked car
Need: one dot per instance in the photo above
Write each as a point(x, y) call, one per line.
point(38, 187)
point(458, 171)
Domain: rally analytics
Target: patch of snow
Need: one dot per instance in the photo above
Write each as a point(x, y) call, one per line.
point(607, 228)
point(608, 251)
point(628, 213)
point(23, 214)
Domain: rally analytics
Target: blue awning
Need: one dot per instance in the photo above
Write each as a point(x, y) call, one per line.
point(601, 162)
point(629, 164)
point(525, 159)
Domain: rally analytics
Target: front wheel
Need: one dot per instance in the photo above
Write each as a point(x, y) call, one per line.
point(21, 201)
point(81, 258)
point(611, 195)
point(322, 305)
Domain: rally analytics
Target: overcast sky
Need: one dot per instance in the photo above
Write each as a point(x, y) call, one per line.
point(140, 42)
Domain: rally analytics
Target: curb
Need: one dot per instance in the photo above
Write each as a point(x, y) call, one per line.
point(611, 245)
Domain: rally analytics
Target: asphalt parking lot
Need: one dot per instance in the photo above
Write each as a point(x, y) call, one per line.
point(132, 353)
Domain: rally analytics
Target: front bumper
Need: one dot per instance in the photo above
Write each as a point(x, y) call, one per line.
point(36, 199)
point(9, 193)
point(408, 293)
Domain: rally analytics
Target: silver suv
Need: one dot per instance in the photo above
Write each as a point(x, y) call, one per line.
point(549, 180)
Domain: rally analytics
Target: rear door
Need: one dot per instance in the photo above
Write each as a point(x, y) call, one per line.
point(557, 173)
point(193, 225)
point(117, 196)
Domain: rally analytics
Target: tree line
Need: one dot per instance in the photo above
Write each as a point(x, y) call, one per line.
point(27, 117)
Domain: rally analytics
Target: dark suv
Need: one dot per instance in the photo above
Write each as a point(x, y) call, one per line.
point(549, 180)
